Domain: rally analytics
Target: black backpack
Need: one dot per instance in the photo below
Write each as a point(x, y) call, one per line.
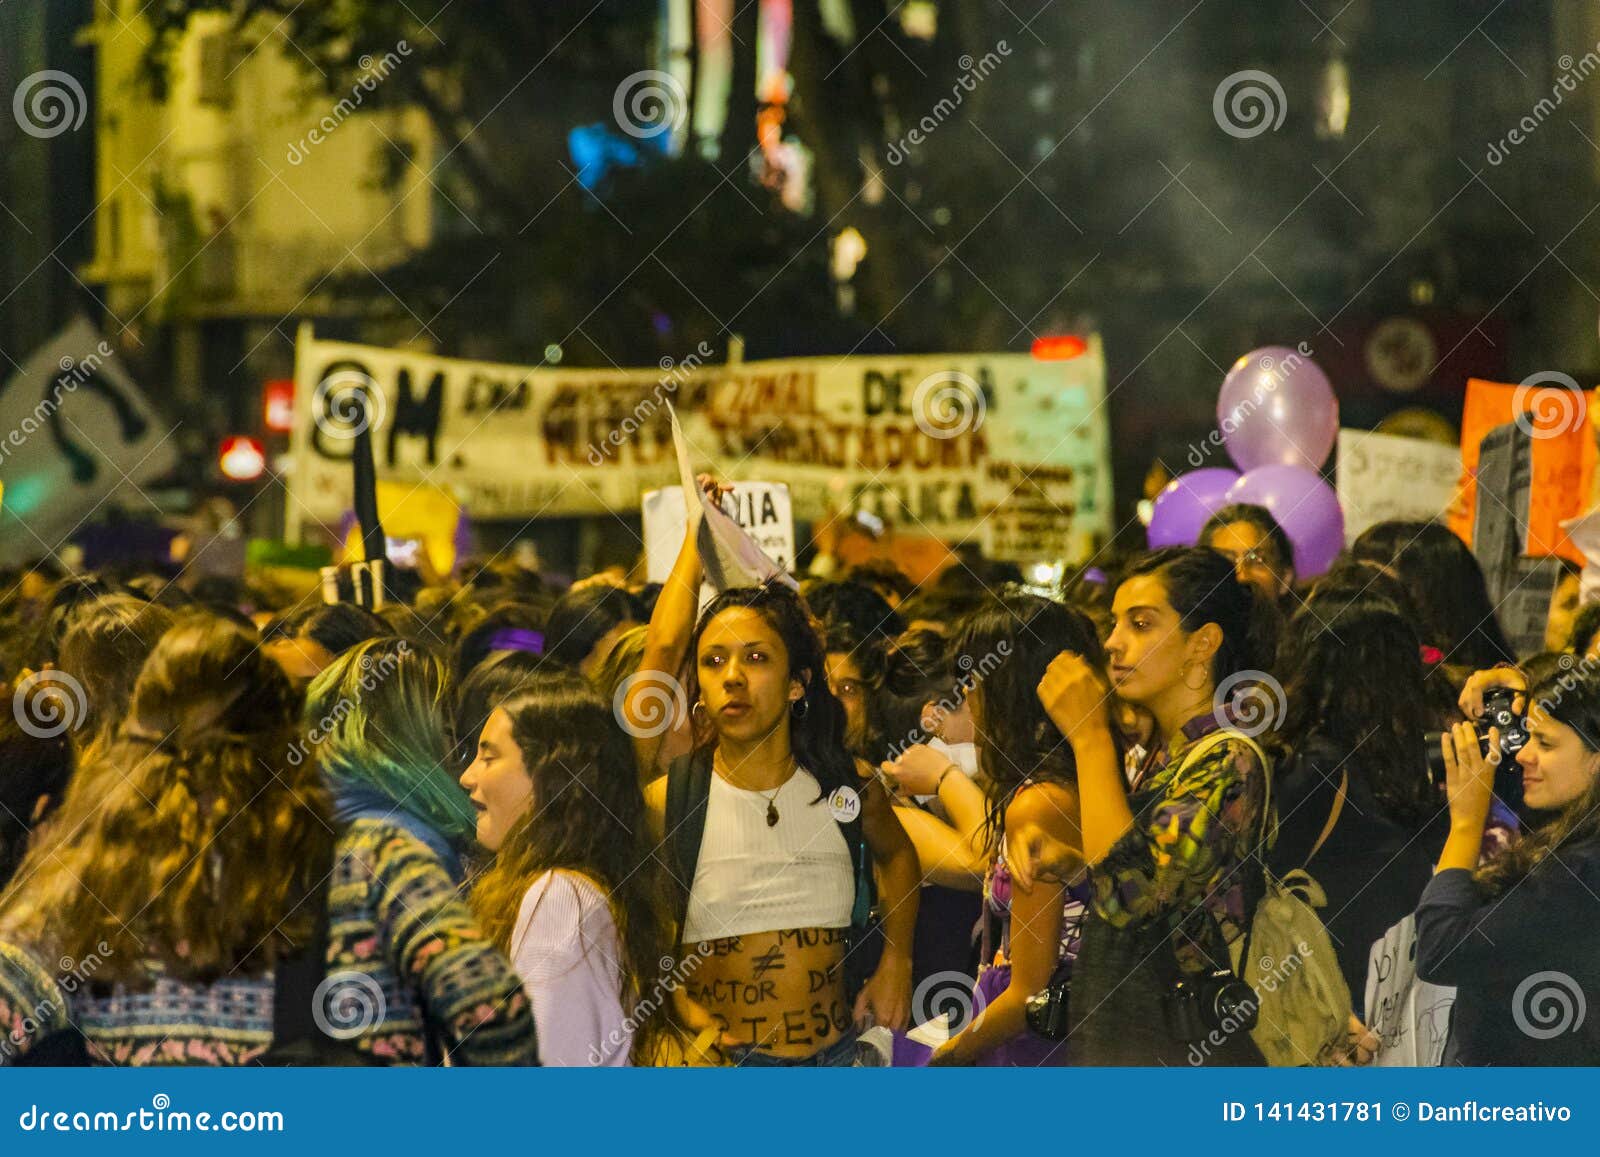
point(688, 793)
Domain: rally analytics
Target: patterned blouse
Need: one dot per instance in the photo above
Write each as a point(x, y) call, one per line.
point(399, 939)
point(1193, 836)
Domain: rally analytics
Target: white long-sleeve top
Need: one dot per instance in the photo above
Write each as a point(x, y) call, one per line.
point(566, 951)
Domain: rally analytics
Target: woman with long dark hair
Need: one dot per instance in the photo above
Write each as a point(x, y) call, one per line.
point(1446, 585)
point(1513, 936)
point(1173, 860)
point(1030, 781)
point(1356, 806)
point(768, 826)
point(572, 896)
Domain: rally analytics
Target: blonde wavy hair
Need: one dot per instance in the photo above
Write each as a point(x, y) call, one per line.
point(191, 841)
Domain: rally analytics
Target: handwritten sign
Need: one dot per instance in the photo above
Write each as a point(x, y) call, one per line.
point(1381, 477)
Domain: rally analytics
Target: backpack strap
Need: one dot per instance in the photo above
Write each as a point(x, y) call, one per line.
point(1333, 817)
point(688, 794)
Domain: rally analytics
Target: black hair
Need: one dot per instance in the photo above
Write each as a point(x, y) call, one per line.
point(1585, 626)
point(1260, 518)
point(867, 652)
point(1447, 586)
point(335, 627)
point(37, 764)
point(918, 669)
point(1355, 681)
point(856, 604)
point(477, 643)
point(816, 731)
point(582, 617)
point(1003, 651)
point(1203, 587)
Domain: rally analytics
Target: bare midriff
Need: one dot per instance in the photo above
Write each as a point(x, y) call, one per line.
point(782, 992)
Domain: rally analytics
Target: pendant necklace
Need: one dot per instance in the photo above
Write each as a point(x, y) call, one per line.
point(772, 806)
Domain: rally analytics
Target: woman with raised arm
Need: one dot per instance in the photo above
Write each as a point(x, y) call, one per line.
point(773, 837)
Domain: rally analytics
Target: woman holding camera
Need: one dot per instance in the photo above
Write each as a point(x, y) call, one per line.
point(1513, 936)
point(1173, 862)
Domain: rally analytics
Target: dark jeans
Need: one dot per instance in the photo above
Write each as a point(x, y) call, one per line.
point(841, 1054)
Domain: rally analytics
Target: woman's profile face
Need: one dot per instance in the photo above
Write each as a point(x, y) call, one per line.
point(498, 782)
point(1556, 767)
point(1147, 644)
point(743, 668)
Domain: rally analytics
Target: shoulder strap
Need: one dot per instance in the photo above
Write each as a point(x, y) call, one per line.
point(295, 977)
point(688, 793)
point(1333, 816)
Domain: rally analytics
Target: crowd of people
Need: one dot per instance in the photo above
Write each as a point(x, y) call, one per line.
point(851, 821)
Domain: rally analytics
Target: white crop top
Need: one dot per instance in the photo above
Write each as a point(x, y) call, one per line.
point(752, 878)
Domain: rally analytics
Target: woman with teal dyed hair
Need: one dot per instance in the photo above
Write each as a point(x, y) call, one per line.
point(376, 721)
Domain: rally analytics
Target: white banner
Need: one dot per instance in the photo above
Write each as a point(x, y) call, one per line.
point(74, 431)
point(935, 444)
point(1380, 476)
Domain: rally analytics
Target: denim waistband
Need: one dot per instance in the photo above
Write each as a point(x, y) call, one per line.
point(841, 1054)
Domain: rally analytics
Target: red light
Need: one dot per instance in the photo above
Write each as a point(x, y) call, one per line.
point(278, 400)
point(1059, 348)
point(242, 459)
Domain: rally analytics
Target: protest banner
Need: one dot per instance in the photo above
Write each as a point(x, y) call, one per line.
point(934, 444)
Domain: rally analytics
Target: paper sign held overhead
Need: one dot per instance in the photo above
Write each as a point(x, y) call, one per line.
point(730, 556)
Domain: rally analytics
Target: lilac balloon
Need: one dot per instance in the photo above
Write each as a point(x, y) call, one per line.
point(1183, 507)
point(1277, 408)
point(1304, 505)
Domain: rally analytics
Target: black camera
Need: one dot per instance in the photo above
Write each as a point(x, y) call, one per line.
point(1212, 1001)
point(1047, 1011)
point(1498, 711)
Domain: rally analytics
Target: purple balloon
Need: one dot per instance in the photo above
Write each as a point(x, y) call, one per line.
point(1183, 507)
point(1304, 505)
point(1277, 408)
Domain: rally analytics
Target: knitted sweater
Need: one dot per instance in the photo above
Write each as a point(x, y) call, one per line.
point(400, 940)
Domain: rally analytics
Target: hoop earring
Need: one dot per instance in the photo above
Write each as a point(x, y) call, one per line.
point(800, 708)
point(1189, 685)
